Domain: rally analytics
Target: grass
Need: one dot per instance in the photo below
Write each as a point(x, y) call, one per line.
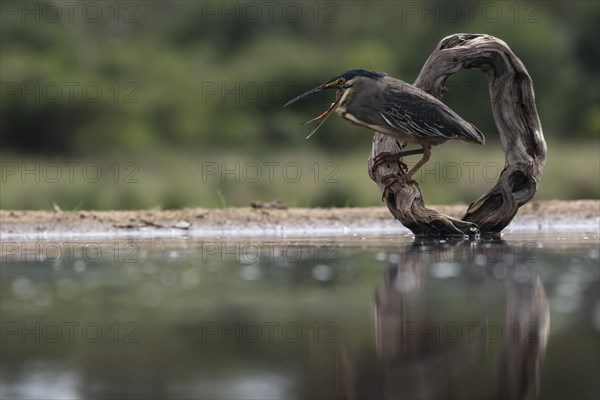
point(456, 173)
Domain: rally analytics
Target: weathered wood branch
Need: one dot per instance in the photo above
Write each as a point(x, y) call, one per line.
point(517, 121)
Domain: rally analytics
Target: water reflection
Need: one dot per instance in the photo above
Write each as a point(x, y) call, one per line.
point(378, 317)
point(421, 350)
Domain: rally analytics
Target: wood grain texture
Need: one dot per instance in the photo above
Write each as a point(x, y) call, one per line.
point(518, 124)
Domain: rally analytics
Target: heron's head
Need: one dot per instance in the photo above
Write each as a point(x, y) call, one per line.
point(340, 83)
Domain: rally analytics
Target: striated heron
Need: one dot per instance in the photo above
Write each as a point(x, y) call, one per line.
point(392, 107)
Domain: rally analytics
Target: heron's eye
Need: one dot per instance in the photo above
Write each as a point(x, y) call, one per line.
point(341, 81)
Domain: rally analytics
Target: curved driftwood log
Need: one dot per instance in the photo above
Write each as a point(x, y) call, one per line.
point(515, 115)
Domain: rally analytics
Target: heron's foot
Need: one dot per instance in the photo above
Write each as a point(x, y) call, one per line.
point(394, 178)
point(386, 157)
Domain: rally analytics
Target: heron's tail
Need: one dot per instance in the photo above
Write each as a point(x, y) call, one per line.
point(472, 134)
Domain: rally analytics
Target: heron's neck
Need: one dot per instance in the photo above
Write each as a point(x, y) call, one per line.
point(343, 101)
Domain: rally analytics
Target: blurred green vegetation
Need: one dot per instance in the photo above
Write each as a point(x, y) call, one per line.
point(459, 174)
point(169, 85)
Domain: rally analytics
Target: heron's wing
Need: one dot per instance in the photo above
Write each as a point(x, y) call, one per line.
point(415, 112)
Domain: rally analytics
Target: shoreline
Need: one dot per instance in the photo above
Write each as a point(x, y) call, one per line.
point(272, 220)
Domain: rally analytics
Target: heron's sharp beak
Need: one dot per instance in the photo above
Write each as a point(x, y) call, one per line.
point(306, 94)
point(316, 118)
point(321, 118)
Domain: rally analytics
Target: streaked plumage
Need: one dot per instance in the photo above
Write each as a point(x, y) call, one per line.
point(392, 107)
point(398, 109)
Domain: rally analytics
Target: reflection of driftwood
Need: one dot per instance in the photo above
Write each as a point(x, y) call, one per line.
point(515, 114)
point(524, 344)
point(416, 360)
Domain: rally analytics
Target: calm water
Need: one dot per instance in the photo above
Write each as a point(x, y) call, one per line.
point(349, 317)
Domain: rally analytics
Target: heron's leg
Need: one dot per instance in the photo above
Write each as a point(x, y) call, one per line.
point(426, 154)
point(410, 152)
point(385, 157)
point(389, 157)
